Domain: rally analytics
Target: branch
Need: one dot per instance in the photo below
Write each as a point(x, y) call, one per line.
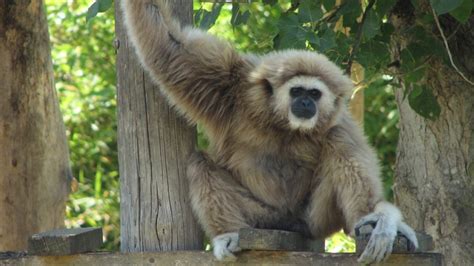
point(328, 16)
point(358, 37)
point(447, 48)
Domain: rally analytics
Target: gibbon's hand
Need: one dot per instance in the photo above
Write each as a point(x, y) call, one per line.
point(225, 245)
point(382, 237)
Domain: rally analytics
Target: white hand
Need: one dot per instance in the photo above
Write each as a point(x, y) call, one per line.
point(225, 245)
point(382, 237)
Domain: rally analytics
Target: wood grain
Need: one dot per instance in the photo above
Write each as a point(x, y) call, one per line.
point(206, 258)
point(34, 156)
point(153, 144)
point(264, 239)
point(65, 241)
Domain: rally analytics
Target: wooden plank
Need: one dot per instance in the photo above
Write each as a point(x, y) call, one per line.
point(65, 241)
point(264, 239)
point(401, 244)
point(206, 258)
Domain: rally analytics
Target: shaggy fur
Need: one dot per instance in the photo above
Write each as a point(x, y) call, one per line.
point(264, 168)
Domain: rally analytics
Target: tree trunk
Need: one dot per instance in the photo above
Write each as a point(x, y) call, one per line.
point(154, 144)
point(434, 183)
point(34, 160)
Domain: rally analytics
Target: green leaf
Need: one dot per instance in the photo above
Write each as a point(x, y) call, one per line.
point(209, 18)
point(423, 102)
point(92, 11)
point(313, 39)
point(238, 17)
point(463, 12)
point(408, 62)
point(104, 5)
point(445, 6)
point(98, 6)
point(198, 16)
point(328, 4)
point(350, 10)
point(290, 33)
point(309, 11)
point(373, 54)
point(327, 40)
point(270, 2)
point(384, 6)
point(371, 25)
point(415, 75)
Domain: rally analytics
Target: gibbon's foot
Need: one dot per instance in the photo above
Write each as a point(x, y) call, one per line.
point(382, 237)
point(225, 245)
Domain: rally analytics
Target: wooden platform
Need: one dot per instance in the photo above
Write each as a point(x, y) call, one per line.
point(206, 258)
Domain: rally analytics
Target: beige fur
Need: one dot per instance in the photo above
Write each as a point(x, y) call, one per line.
point(264, 168)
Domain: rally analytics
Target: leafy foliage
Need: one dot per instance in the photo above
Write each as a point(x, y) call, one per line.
point(84, 67)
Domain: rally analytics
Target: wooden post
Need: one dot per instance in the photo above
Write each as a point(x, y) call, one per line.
point(34, 156)
point(153, 145)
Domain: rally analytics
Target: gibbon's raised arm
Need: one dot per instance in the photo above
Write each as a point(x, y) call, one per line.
point(196, 71)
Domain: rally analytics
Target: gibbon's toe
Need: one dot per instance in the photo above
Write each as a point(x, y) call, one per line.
point(224, 245)
point(378, 249)
point(368, 219)
point(409, 233)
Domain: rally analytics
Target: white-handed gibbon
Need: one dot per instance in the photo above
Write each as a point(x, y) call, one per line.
point(284, 151)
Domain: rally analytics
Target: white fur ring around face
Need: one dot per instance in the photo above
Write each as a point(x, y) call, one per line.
point(225, 245)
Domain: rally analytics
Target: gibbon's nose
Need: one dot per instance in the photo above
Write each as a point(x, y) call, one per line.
point(303, 108)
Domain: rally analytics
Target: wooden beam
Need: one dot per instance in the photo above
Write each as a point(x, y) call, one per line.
point(65, 241)
point(206, 258)
point(263, 239)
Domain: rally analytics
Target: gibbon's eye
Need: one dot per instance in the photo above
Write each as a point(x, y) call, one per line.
point(296, 91)
point(315, 94)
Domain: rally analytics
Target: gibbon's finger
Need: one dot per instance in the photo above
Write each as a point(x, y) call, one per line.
point(222, 253)
point(378, 248)
point(233, 245)
point(222, 244)
point(383, 247)
point(409, 233)
point(368, 219)
point(220, 249)
point(388, 252)
point(368, 254)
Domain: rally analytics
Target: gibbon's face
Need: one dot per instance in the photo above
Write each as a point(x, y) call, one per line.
point(304, 101)
point(304, 90)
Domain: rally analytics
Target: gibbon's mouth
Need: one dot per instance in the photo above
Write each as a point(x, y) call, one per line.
point(303, 108)
point(303, 113)
point(306, 122)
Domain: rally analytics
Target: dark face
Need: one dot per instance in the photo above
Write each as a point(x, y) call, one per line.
point(304, 102)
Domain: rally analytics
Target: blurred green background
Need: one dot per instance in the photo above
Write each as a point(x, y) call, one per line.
point(84, 66)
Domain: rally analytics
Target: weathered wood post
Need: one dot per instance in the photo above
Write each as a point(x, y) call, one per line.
point(34, 156)
point(153, 144)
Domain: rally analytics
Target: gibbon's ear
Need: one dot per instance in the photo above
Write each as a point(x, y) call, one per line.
point(267, 86)
point(261, 78)
point(345, 87)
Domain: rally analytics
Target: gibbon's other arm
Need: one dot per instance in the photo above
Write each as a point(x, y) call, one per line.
point(197, 72)
point(353, 169)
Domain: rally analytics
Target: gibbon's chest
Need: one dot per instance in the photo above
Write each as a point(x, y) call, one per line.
point(275, 179)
